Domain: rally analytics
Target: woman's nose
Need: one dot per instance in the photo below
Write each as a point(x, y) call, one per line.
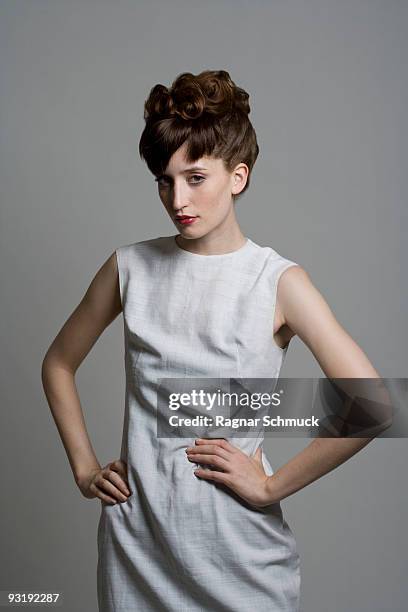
point(178, 197)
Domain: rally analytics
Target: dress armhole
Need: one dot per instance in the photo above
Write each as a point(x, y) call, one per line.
point(281, 270)
point(120, 274)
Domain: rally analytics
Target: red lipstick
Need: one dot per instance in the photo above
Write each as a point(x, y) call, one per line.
point(185, 219)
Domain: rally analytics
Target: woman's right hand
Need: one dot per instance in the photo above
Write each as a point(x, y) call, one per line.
point(109, 483)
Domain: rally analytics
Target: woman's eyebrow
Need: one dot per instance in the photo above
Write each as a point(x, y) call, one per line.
point(194, 168)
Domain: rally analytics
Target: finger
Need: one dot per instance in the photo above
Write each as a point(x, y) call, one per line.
point(212, 460)
point(205, 474)
point(120, 467)
point(207, 449)
point(116, 480)
point(106, 485)
point(220, 442)
point(114, 492)
point(99, 493)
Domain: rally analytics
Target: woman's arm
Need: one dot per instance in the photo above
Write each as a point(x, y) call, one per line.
point(308, 315)
point(303, 310)
point(98, 308)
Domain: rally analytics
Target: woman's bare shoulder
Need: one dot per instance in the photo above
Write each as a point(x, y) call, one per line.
point(99, 306)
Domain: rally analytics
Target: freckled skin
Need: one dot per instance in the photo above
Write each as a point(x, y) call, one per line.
point(208, 195)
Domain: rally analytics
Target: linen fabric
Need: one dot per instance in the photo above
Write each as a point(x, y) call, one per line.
point(180, 543)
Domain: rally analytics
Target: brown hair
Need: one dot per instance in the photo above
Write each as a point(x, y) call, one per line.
point(209, 112)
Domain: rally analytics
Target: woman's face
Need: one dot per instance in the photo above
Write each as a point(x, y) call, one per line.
point(201, 193)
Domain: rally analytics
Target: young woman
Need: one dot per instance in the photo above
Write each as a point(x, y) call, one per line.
point(196, 524)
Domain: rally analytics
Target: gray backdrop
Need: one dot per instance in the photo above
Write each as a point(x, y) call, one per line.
point(328, 94)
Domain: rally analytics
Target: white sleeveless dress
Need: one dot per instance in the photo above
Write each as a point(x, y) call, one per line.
point(180, 543)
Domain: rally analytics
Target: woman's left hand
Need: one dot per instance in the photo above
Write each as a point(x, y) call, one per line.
point(242, 473)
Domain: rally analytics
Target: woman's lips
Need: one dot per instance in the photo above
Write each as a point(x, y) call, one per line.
point(185, 220)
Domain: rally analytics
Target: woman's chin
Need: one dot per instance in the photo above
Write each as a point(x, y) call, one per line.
point(189, 231)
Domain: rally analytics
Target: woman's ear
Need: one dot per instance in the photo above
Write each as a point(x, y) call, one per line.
point(240, 177)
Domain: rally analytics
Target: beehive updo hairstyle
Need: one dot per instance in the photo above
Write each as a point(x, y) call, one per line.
point(208, 112)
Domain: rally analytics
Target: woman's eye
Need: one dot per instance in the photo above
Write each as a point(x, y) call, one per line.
point(162, 180)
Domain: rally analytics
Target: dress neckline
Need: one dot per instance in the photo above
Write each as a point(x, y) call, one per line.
point(185, 253)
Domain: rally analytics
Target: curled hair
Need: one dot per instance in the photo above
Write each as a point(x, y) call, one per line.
point(208, 112)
